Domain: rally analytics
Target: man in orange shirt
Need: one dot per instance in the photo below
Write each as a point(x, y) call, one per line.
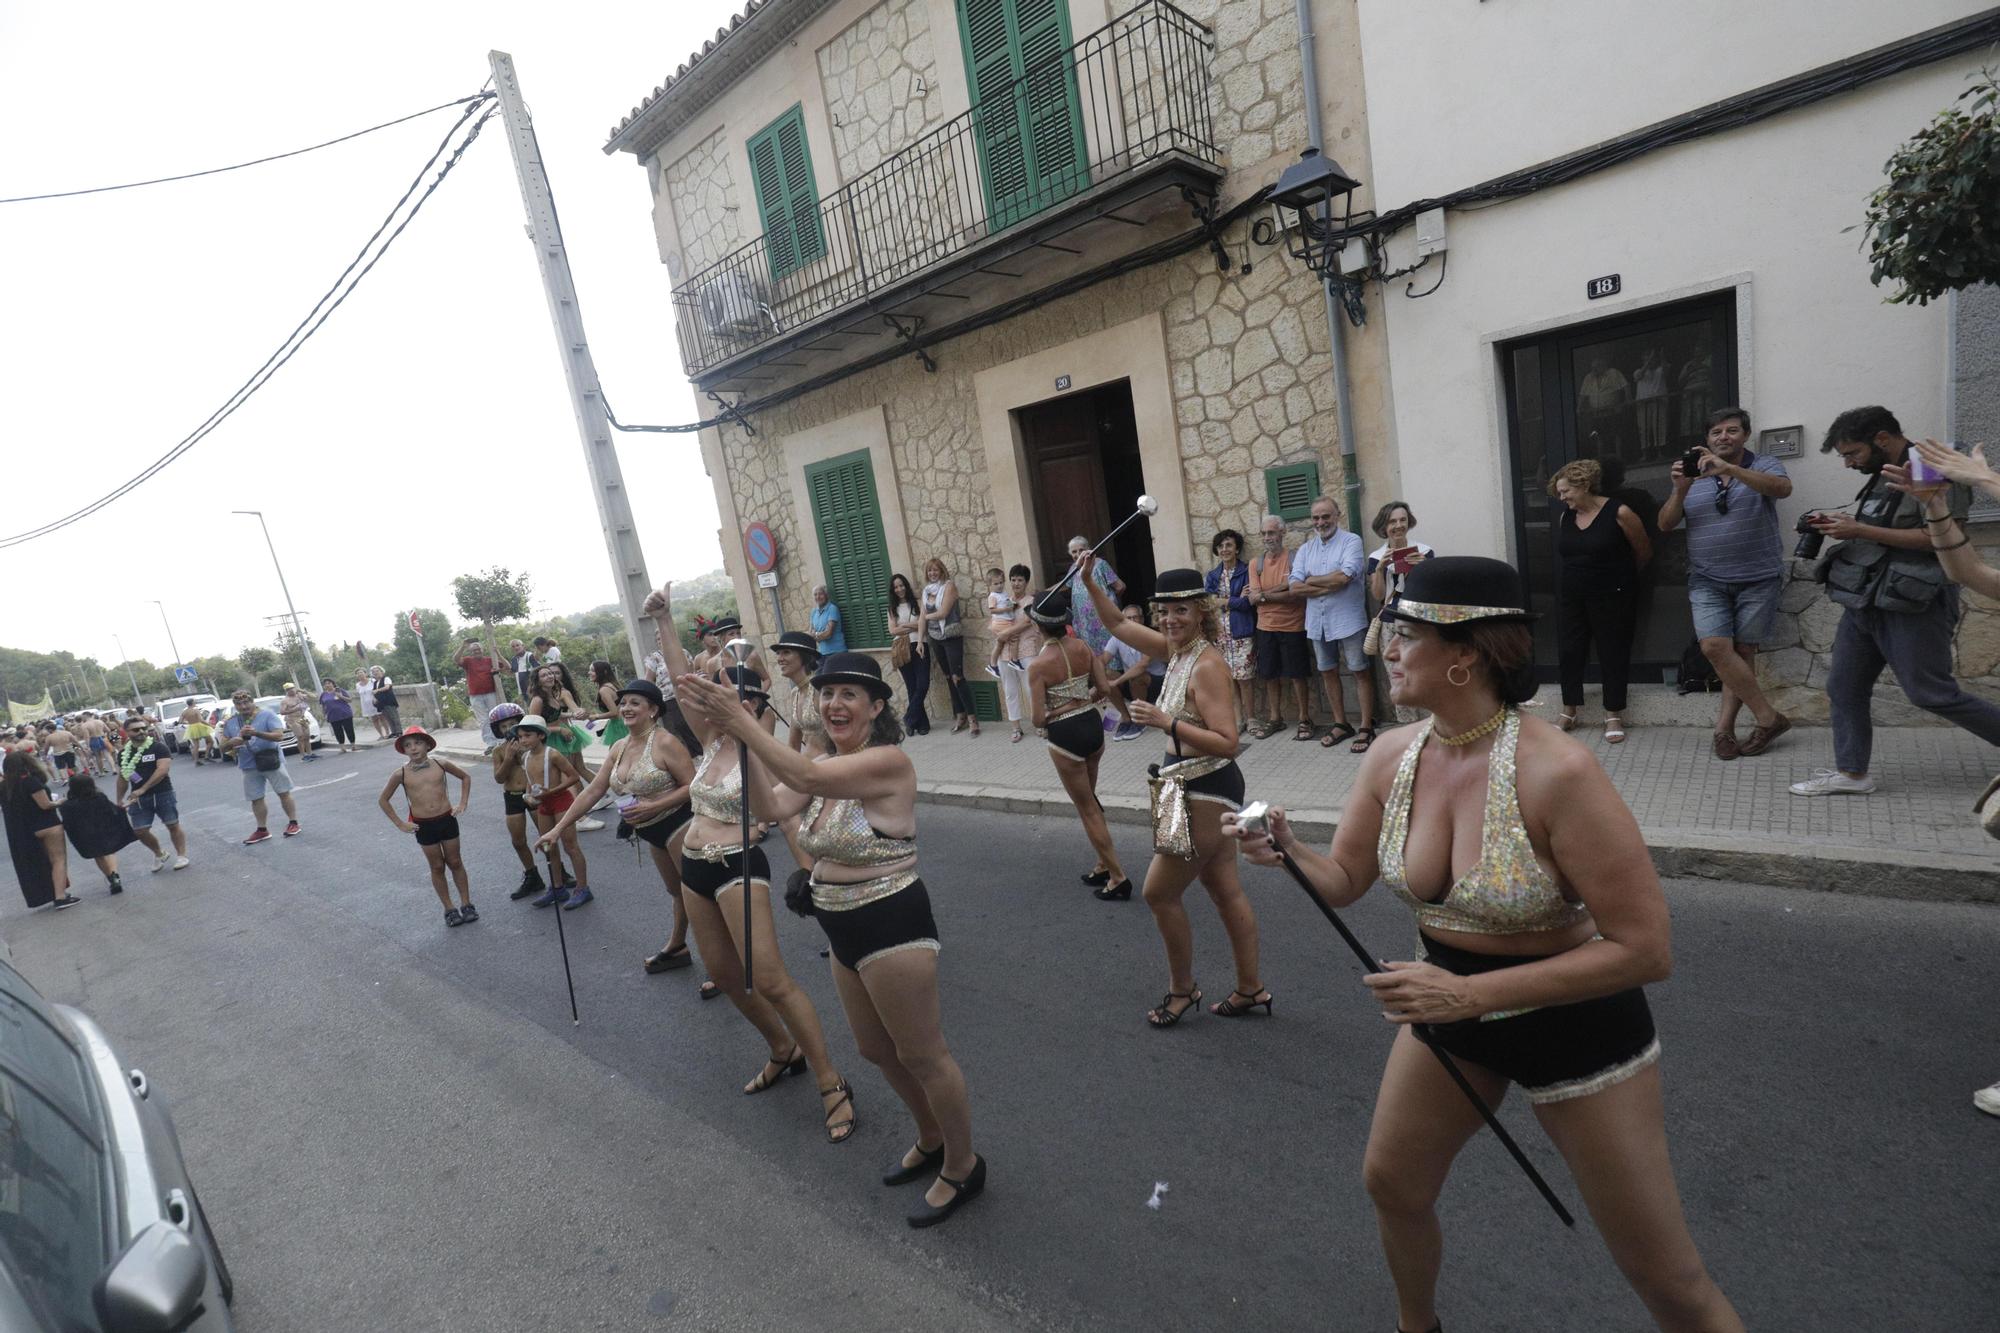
point(1282, 651)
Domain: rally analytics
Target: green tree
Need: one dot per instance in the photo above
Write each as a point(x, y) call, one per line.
point(1934, 226)
point(404, 661)
point(491, 596)
point(217, 674)
point(257, 661)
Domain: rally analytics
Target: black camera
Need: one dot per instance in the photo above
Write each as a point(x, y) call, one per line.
point(1691, 463)
point(1810, 537)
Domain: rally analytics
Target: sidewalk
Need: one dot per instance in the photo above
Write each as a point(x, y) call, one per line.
point(1916, 837)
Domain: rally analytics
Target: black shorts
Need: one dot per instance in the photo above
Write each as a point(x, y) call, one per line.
point(708, 878)
point(66, 761)
point(661, 831)
point(859, 935)
point(1556, 1052)
point(515, 805)
point(1282, 654)
point(1224, 786)
point(1078, 735)
point(431, 832)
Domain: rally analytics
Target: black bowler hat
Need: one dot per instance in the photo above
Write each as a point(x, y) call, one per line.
point(646, 690)
point(752, 683)
point(1458, 589)
point(726, 625)
point(1174, 585)
point(851, 669)
point(798, 641)
point(1051, 609)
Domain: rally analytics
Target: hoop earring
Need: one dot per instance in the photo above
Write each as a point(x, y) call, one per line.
point(1458, 666)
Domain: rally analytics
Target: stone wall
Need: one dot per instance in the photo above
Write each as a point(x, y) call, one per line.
point(880, 81)
point(702, 191)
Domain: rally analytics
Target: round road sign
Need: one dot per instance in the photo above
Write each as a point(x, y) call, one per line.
point(761, 548)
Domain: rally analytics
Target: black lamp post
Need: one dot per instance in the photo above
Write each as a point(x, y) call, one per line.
point(1313, 200)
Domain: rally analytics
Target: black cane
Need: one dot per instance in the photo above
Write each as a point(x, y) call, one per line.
point(740, 650)
point(1255, 812)
point(555, 877)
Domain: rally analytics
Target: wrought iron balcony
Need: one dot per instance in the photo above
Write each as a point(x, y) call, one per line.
point(1061, 146)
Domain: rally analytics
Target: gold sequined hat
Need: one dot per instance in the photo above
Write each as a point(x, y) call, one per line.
point(1459, 589)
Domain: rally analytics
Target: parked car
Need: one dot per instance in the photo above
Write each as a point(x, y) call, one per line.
point(166, 715)
point(291, 742)
point(100, 1227)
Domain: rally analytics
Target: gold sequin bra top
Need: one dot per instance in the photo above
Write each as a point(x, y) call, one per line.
point(721, 801)
point(647, 778)
point(1070, 694)
point(847, 838)
point(1507, 892)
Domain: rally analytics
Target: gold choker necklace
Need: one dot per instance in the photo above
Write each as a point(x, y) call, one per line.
point(1486, 728)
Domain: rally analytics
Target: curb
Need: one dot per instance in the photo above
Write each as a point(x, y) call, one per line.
point(1948, 877)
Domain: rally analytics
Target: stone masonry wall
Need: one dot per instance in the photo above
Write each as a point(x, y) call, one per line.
point(871, 75)
point(706, 205)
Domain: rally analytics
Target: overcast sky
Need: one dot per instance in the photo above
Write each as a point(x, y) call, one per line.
point(426, 430)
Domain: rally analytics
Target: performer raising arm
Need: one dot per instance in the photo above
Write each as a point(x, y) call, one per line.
point(1540, 918)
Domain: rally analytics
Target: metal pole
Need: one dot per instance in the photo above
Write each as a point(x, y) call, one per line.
point(136, 700)
point(1335, 323)
point(312, 667)
point(600, 457)
point(425, 658)
point(170, 629)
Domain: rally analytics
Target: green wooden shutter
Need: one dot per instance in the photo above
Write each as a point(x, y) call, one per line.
point(1027, 118)
point(848, 520)
point(1289, 491)
point(781, 176)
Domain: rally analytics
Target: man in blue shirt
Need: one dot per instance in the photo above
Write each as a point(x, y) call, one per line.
point(832, 635)
point(1735, 568)
point(252, 731)
point(1327, 568)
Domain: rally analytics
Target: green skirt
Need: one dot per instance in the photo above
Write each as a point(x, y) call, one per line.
point(568, 740)
point(615, 731)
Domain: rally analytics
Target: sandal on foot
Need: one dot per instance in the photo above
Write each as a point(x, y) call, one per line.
point(774, 1069)
point(839, 1131)
point(928, 1160)
point(709, 991)
point(1614, 730)
point(667, 960)
point(1566, 720)
point(1362, 740)
point(1121, 892)
point(1164, 1015)
point(1337, 733)
point(1305, 732)
point(1240, 1003)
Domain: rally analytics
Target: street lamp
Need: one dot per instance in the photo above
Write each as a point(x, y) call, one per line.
point(312, 667)
point(1308, 191)
point(170, 630)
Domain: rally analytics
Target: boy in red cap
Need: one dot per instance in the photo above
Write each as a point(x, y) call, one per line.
point(433, 818)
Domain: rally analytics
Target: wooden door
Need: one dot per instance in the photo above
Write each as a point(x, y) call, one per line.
point(1066, 474)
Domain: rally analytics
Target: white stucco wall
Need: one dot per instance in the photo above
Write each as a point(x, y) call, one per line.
point(1461, 92)
point(1762, 209)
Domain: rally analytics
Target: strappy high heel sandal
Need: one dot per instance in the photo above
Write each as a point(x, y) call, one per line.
point(1164, 1015)
point(840, 1131)
point(1239, 1003)
point(773, 1070)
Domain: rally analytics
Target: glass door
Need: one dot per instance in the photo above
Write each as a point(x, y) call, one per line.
point(1634, 393)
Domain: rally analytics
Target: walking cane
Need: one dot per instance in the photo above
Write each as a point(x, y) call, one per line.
point(740, 650)
point(555, 877)
point(1251, 817)
point(1147, 506)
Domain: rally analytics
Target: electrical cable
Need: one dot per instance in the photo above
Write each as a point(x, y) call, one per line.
point(315, 319)
point(254, 162)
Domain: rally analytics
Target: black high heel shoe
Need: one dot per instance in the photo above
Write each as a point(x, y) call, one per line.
point(1096, 879)
point(1121, 892)
point(929, 1160)
point(1239, 1004)
point(964, 1191)
point(773, 1070)
point(1165, 1015)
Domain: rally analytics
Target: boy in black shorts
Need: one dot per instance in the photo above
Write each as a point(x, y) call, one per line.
point(513, 780)
point(433, 818)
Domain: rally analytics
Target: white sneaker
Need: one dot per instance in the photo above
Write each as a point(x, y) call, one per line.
point(589, 825)
point(161, 862)
point(1988, 1099)
point(180, 863)
point(1832, 782)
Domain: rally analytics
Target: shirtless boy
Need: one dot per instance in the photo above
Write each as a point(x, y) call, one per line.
point(513, 780)
point(60, 747)
point(433, 818)
point(93, 731)
point(552, 787)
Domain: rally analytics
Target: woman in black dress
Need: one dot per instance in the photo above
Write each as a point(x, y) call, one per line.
point(34, 833)
point(96, 828)
point(1601, 546)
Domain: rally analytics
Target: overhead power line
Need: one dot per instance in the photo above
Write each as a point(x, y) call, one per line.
point(343, 287)
point(254, 162)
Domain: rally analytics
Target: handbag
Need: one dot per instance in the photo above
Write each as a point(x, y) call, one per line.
point(268, 761)
point(1173, 833)
point(1988, 809)
point(1371, 643)
point(798, 892)
point(899, 654)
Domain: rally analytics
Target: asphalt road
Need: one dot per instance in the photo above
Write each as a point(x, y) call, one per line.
point(396, 1126)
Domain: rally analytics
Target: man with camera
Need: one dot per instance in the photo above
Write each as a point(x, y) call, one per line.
point(1900, 608)
point(1728, 497)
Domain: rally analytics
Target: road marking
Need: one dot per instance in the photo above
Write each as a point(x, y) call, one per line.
point(308, 786)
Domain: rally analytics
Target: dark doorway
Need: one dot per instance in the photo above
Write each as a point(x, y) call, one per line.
point(1082, 452)
point(1634, 394)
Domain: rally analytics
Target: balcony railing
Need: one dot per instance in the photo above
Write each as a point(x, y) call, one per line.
point(1127, 94)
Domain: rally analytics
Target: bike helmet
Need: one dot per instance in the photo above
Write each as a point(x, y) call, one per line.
point(503, 713)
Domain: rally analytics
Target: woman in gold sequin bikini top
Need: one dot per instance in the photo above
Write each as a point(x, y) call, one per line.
point(1507, 892)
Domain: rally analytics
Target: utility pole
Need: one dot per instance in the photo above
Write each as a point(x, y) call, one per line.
point(614, 510)
point(312, 667)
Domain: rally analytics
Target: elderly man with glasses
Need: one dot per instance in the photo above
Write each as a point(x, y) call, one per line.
point(1327, 569)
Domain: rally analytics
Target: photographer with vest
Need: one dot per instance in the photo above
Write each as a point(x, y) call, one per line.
point(1901, 609)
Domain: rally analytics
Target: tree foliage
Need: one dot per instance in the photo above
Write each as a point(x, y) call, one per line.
point(1934, 226)
point(492, 596)
point(405, 663)
point(257, 660)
